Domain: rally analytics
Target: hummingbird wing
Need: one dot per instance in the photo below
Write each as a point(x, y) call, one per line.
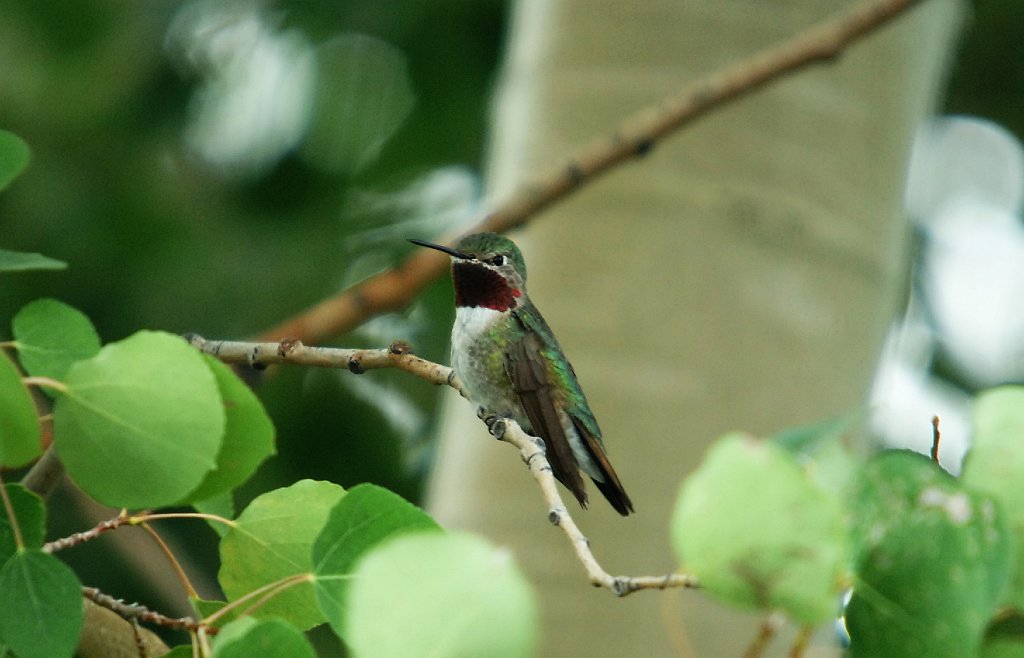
point(532, 363)
point(527, 369)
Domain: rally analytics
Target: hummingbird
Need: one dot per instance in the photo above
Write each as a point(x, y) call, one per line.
point(512, 365)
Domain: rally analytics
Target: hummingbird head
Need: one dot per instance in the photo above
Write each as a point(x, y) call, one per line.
point(487, 270)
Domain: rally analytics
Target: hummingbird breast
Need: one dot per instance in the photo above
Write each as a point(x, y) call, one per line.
point(478, 358)
point(480, 339)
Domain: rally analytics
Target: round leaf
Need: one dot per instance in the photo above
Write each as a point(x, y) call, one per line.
point(19, 427)
point(50, 336)
point(270, 638)
point(272, 540)
point(41, 606)
point(759, 533)
point(140, 424)
point(934, 561)
point(995, 465)
point(248, 435)
point(365, 516)
point(434, 594)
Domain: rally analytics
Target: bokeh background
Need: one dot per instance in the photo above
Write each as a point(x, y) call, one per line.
point(216, 166)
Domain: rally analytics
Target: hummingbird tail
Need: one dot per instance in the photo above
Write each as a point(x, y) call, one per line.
point(613, 491)
point(609, 485)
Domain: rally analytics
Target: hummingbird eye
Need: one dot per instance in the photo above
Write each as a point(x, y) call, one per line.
point(498, 260)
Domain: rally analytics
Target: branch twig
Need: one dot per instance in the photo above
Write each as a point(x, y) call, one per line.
point(260, 355)
point(87, 535)
point(769, 627)
point(530, 448)
point(634, 137)
point(137, 612)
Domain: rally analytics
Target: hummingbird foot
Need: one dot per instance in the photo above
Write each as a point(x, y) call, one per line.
point(495, 423)
point(496, 426)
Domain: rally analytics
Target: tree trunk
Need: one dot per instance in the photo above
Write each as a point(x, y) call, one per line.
point(741, 276)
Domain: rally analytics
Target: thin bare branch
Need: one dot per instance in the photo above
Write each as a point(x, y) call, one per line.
point(261, 355)
point(87, 535)
point(633, 138)
point(530, 448)
point(135, 611)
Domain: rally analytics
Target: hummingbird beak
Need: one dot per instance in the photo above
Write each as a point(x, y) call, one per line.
point(440, 247)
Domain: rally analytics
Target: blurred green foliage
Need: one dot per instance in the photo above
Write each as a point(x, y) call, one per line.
point(110, 96)
point(157, 236)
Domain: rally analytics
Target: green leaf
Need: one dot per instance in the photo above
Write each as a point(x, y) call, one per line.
point(50, 336)
point(14, 157)
point(31, 516)
point(364, 517)
point(248, 435)
point(270, 638)
point(272, 540)
point(758, 532)
point(934, 561)
point(995, 466)
point(41, 606)
point(140, 424)
point(363, 97)
point(19, 427)
point(436, 594)
point(22, 261)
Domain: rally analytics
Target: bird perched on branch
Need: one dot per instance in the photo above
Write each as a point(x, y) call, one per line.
point(512, 365)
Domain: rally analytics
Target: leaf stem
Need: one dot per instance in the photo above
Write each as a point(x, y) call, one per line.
point(145, 518)
point(19, 540)
point(936, 437)
point(190, 590)
point(48, 382)
point(265, 593)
